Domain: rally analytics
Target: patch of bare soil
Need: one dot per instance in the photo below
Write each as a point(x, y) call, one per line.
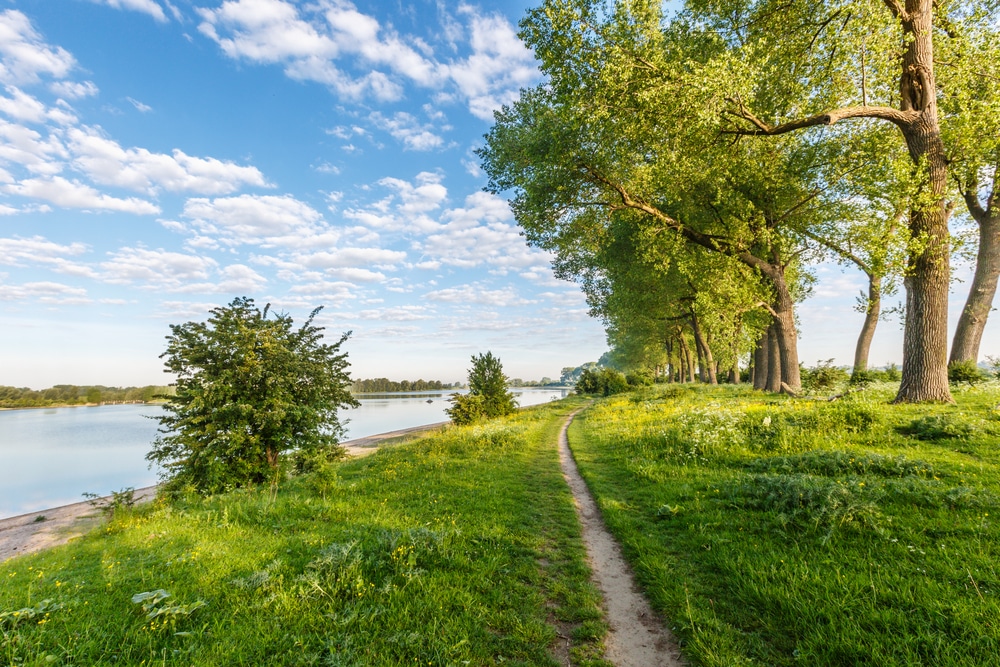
point(637, 638)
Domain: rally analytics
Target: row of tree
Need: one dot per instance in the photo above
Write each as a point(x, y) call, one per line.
point(382, 385)
point(71, 394)
point(689, 170)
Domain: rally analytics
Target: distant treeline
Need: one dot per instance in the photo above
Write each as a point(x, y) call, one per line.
point(71, 394)
point(379, 385)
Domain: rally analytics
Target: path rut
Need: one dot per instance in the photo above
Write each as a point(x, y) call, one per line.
point(636, 637)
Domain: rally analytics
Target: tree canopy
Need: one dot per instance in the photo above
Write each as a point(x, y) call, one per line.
point(708, 158)
point(250, 387)
point(488, 396)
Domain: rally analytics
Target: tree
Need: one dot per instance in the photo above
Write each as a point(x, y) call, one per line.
point(815, 64)
point(249, 388)
point(488, 396)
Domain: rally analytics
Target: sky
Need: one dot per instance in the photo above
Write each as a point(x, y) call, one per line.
point(158, 159)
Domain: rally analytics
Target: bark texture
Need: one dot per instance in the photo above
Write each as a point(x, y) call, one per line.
point(872, 312)
point(972, 321)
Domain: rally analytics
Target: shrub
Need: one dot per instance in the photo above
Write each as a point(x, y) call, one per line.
point(964, 371)
point(824, 375)
point(604, 382)
point(250, 388)
point(937, 427)
point(488, 396)
point(466, 409)
point(639, 378)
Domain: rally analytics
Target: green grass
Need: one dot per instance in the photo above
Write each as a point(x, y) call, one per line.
point(457, 549)
point(778, 531)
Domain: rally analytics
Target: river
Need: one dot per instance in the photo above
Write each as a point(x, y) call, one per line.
point(52, 456)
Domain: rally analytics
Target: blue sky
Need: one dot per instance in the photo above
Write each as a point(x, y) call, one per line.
point(160, 158)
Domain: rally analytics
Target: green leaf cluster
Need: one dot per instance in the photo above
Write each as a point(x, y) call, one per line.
point(250, 387)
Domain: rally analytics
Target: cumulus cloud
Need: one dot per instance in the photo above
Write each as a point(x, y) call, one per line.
point(73, 194)
point(44, 292)
point(107, 163)
point(145, 6)
point(38, 250)
point(407, 129)
point(24, 55)
point(267, 220)
point(466, 294)
point(335, 44)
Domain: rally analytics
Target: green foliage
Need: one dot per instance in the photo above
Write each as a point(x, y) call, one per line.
point(965, 371)
point(119, 501)
point(604, 382)
point(823, 376)
point(937, 427)
point(467, 409)
point(781, 531)
point(488, 396)
point(69, 394)
point(379, 385)
point(438, 550)
point(249, 388)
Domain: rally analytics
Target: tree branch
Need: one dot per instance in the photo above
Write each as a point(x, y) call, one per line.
point(901, 118)
point(898, 9)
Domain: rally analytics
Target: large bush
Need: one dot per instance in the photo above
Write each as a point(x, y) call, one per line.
point(488, 396)
point(250, 387)
point(604, 381)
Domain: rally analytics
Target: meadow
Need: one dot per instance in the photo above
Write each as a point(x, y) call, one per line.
point(778, 531)
point(766, 530)
point(458, 549)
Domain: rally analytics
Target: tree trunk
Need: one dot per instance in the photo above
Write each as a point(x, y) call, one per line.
point(706, 352)
point(774, 370)
point(872, 313)
point(784, 333)
point(972, 322)
point(686, 361)
point(760, 359)
point(925, 335)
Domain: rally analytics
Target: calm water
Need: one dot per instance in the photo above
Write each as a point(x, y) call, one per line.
point(52, 456)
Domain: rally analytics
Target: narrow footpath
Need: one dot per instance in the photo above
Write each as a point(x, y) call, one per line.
point(636, 637)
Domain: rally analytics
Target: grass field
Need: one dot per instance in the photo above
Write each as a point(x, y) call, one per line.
point(459, 549)
point(777, 531)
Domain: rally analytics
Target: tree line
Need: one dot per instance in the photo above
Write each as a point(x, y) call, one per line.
point(689, 170)
point(71, 394)
point(380, 385)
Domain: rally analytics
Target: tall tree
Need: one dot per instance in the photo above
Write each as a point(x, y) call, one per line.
point(826, 50)
point(971, 72)
point(628, 129)
point(250, 387)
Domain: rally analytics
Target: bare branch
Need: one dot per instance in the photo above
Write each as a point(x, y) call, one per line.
point(901, 118)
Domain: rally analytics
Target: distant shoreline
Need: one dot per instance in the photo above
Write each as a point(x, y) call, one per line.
point(80, 405)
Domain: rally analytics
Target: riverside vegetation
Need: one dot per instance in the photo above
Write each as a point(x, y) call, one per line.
point(462, 548)
point(779, 531)
point(766, 530)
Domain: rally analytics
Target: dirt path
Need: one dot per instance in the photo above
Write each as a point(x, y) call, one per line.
point(636, 637)
point(32, 532)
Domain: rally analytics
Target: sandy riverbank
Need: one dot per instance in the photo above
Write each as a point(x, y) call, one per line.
point(27, 533)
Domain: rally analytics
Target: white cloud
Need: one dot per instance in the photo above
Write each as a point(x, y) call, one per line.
point(351, 257)
point(24, 55)
point(161, 269)
point(145, 6)
point(44, 292)
point(468, 294)
point(73, 194)
point(396, 314)
point(325, 42)
point(253, 219)
point(74, 89)
point(20, 145)
point(107, 163)
point(139, 106)
point(25, 108)
point(407, 129)
point(38, 250)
